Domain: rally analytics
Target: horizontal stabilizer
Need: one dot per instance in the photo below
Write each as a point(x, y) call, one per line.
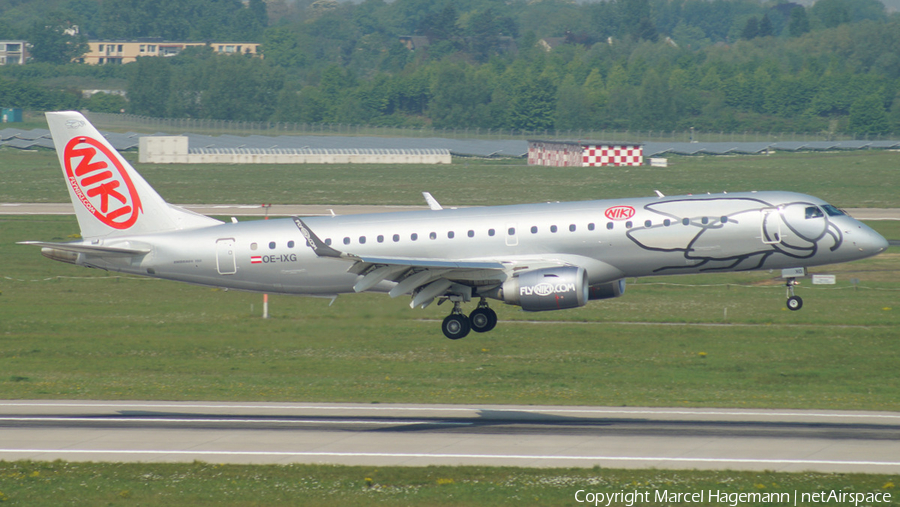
point(88, 249)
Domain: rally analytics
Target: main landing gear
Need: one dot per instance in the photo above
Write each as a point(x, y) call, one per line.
point(794, 303)
point(457, 325)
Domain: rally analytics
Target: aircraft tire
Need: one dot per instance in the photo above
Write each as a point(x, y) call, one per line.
point(456, 326)
point(483, 319)
point(794, 303)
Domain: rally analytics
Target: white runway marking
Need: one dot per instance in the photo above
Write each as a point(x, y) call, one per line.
point(313, 454)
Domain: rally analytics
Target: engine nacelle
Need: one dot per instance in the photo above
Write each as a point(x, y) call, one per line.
point(546, 289)
point(607, 290)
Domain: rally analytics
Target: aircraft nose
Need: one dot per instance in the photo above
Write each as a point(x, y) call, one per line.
point(869, 241)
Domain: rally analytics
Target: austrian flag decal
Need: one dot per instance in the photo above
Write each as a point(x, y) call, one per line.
point(256, 259)
point(101, 183)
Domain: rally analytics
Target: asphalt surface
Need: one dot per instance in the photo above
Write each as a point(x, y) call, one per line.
point(421, 435)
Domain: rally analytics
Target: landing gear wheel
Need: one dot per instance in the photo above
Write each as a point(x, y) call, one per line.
point(456, 326)
point(483, 319)
point(794, 303)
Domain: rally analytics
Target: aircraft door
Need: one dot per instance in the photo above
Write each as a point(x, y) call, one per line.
point(512, 238)
point(771, 225)
point(225, 262)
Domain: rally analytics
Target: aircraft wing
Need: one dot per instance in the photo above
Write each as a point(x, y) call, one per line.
point(424, 278)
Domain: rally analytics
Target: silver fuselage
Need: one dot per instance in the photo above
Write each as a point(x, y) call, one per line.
point(662, 236)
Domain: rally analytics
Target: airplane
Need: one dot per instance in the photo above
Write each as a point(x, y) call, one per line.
point(540, 257)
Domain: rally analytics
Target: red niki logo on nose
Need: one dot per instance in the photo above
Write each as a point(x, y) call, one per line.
point(101, 183)
point(619, 212)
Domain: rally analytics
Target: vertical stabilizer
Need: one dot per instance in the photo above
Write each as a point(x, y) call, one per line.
point(110, 198)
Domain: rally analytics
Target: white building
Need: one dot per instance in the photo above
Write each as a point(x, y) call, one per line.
point(13, 52)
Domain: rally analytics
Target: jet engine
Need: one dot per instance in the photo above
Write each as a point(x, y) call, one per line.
point(546, 289)
point(607, 290)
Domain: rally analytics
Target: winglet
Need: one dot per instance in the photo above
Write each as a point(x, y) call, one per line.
point(432, 202)
point(318, 246)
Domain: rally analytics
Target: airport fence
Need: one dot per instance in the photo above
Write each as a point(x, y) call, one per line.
point(129, 122)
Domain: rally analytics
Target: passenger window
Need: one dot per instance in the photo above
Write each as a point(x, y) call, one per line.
point(724, 220)
point(609, 225)
point(490, 232)
point(572, 228)
point(450, 234)
point(533, 229)
point(813, 212)
point(686, 221)
point(629, 225)
point(591, 226)
point(327, 241)
point(471, 234)
point(511, 231)
point(413, 236)
point(346, 241)
point(291, 244)
point(667, 222)
point(362, 240)
point(552, 228)
point(396, 238)
point(648, 223)
point(704, 220)
point(432, 235)
point(253, 246)
point(380, 238)
point(271, 245)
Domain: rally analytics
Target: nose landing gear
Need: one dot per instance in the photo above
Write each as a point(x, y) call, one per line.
point(794, 303)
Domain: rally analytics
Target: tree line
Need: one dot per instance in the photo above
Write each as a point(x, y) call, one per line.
point(729, 65)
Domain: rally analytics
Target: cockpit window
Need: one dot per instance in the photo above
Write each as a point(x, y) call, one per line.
point(832, 211)
point(813, 212)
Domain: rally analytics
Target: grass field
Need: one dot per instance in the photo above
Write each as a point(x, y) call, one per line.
point(200, 484)
point(846, 179)
point(70, 332)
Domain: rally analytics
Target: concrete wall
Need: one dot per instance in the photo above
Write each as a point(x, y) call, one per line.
point(174, 150)
point(163, 150)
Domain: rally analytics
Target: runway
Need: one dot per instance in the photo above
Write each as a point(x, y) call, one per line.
point(239, 210)
point(421, 435)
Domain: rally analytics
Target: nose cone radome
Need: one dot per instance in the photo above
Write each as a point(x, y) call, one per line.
point(869, 242)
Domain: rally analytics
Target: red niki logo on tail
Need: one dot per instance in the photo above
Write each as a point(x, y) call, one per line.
point(101, 183)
